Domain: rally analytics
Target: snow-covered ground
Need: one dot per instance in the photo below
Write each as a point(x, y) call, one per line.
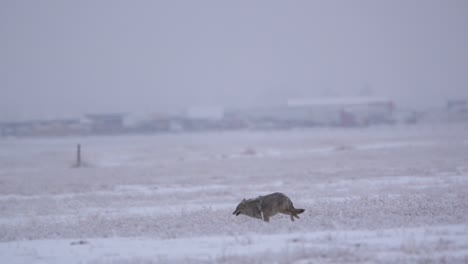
point(375, 195)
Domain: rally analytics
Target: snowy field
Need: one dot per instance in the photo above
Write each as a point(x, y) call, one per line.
point(374, 195)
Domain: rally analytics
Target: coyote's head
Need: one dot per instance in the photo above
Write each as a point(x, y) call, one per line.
point(240, 208)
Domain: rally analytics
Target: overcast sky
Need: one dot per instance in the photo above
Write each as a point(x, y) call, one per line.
point(67, 58)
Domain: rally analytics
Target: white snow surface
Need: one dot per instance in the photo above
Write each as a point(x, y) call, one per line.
point(390, 194)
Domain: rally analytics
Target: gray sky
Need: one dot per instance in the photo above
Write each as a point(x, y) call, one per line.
point(66, 58)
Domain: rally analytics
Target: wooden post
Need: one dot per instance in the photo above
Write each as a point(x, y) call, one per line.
point(78, 155)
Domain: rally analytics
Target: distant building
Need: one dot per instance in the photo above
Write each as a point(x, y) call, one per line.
point(199, 119)
point(153, 123)
point(205, 113)
point(457, 106)
point(348, 111)
point(60, 127)
point(106, 123)
point(55, 127)
point(16, 128)
point(457, 110)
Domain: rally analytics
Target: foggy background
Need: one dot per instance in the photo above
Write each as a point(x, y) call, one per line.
point(68, 58)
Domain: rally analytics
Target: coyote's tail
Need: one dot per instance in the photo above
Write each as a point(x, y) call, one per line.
point(298, 211)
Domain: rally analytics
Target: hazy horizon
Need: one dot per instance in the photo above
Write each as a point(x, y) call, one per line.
point(69, 58)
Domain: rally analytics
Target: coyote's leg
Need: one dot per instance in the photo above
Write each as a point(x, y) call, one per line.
point(290, 213)
point(264, 217)
point(294, 213)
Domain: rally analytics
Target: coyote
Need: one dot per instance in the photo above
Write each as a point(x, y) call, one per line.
point(263, 207)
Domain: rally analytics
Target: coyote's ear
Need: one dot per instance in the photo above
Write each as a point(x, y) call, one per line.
point(243, 200)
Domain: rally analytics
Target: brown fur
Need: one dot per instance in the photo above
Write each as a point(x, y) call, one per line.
point(263, 207)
